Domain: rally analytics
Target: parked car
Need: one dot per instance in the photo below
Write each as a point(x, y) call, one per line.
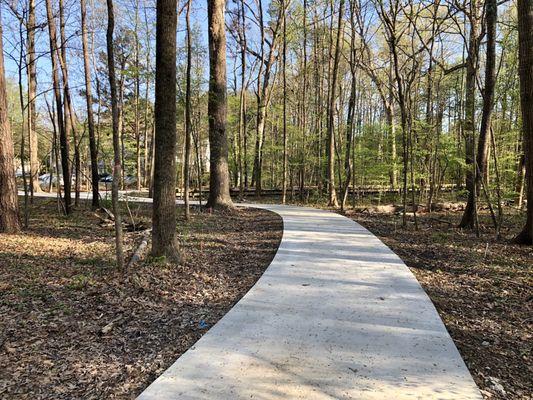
point(44, 180)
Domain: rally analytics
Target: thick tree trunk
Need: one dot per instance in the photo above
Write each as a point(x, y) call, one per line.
point(525, 55)
point(491, 14)
point(470, 214)
point(217, 107)
point(164, 209)
point(90, 117)
point(116, 144)
point(9, 222)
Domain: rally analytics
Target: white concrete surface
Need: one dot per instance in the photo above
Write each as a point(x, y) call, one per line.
point(337, 315)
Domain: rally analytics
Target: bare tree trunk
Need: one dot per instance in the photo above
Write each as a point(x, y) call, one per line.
point(164, 209)
point(525, 58)
point(470, 214)
point(32, 93)
point(9, 222)
point(217, 108)
point(243, 152)
point(63, 139)
point(90, 117)
point(137, 93)
point(285, 142)
point(332, 193)
point(188, 133)
point(70, 123)
point(116, 144)
point(481, 157)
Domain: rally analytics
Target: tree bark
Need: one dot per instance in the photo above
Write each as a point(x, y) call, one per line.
point(188, 133)
point(164, 210)
point(285, 142)
point(491, 14)
point(117, 168)
point(9, 222)
point(332, 193)
point(525, 60)
point(95, 203)
point(470, 215)
point(63, 139)
point(217, 108)
point(32, 94)
point(70, 122)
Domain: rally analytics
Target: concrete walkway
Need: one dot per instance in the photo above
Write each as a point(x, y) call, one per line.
point(337, 315)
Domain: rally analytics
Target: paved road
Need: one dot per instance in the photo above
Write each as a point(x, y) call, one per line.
point(337, 315)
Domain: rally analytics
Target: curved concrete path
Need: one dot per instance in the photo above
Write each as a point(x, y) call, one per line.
point(337, 315)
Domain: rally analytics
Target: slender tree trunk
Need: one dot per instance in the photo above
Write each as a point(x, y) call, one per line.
point(90, 117)
point(137, 93)
point(63, 139)
point(116, 144)
point(217, 108)
point(243, 152)
point(303, 158)
point(164, 210)
point(188, 132)
point(332, 193)
point(70, 123)
point(32, 93)
point(525, 56)
point(285, 142)
point(9, 222)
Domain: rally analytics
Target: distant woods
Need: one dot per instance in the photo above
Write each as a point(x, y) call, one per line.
point(321, 101)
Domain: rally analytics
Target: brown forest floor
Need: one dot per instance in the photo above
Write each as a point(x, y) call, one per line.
point(72, 328)
point(482, 289)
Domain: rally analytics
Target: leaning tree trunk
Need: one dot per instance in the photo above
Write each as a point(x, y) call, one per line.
point(164, 190)
point(116, 145)
point(90, 117)
point(9, 222)
point(525, 59)
point(217, 108)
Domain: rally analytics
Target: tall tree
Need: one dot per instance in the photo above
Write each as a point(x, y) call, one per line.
point(481, 157)
point(164, 205)
point(31, 27)
point(469, 123)
point(90, 116)
point(188, 123)
point(70, 116)
point(285, 139)
point(525, 54)
point(117, 167)
point(9, 222)
point(332, 193)
point(217, 107)
point(63, 138)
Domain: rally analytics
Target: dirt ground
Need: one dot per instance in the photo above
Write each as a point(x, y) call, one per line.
point(481, 287)
point(72, 327)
